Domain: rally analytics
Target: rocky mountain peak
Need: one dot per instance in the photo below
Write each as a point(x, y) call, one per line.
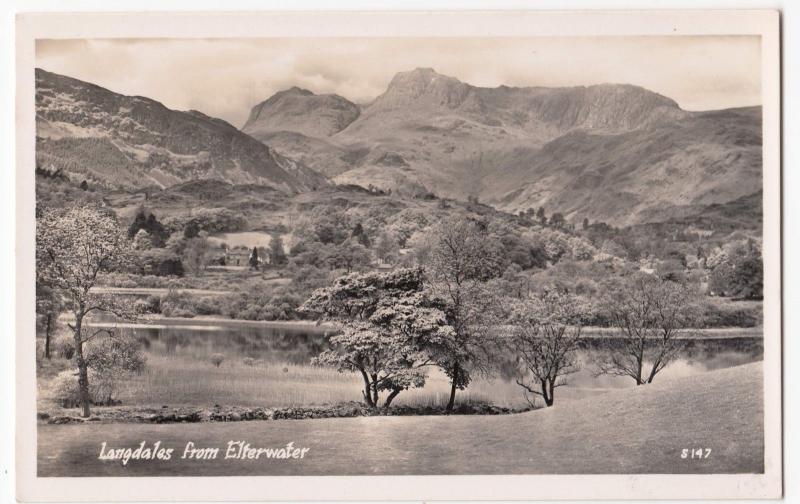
point(301, 111)
point(423, 86)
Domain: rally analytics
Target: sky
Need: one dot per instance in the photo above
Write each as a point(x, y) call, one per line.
point(225, 78)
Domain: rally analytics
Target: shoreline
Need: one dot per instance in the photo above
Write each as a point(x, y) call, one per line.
point(208, 322)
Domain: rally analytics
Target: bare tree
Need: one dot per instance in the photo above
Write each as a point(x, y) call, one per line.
point(652, 316)
point(72, 248)
point(546, 333)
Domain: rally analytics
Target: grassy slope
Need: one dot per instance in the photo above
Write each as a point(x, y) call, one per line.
point(640, 430)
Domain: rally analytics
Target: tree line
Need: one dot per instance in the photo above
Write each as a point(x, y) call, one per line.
point(441, 312)
point(444, 314)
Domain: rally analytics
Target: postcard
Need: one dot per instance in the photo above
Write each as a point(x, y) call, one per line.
point(398, 255)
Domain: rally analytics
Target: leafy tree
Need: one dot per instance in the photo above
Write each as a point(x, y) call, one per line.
point(191, 230)
point(386, 247)
point(84, 186)
point(160, 262)
point(650, 316)
point(142, 240)
point(361, 235)
point(158, 233)
point(196, 253)
point(558, 221)
point(147, 221)
point(546, 332)
point(389, 323)
point(737, 270)
point(461, 261)
point(139, 222)
point(580, 249)
point(540, 215)
point(585, 223)
point(72, 247)
point(253, 259)
point(349, 256)
point(277, 256)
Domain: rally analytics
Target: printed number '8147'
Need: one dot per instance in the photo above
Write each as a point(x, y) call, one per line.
point(695, 453)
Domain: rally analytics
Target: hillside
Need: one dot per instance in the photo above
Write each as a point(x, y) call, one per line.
point(109, 139)
point(611, 152)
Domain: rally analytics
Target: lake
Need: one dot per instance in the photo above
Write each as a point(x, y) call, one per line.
point(277, 344)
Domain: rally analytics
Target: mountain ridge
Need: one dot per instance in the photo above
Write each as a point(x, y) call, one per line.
point(508, 146)
point(132, 141)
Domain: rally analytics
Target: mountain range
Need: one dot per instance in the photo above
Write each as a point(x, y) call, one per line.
point(612, 152)
point(92, 133)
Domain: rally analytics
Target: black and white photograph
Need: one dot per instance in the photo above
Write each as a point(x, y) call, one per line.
point(389, 255)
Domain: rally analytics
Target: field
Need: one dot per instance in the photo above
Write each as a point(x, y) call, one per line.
point(630, 431)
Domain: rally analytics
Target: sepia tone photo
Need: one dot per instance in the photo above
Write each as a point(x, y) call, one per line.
point(400, 256)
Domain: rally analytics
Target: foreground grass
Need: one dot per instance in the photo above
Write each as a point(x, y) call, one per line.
point(630, 431)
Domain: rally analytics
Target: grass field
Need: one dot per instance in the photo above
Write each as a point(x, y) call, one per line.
point(629, 431)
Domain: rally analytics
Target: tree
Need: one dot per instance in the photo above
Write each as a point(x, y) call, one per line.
point(191, 230)
point(546, 331)
point(558, 221)
point(84, 186)
point(253, 259)
point(48, 306)
point(147, 221)
point(361, 235)
point(386, 247)
point(540, 215)
point(388, 325)
point(277, 256)
point(737, 270)
point(73, 246)
point(142, 240)
point(348, 255)
point(158, 233)
point(196, 253)
point(585, 223)
point(462, 259)
point(139, 222)
point(651, 316)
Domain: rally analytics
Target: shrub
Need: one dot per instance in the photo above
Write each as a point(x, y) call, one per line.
point(64, 346)
point(115, 356)
point(140, 306)
point(248, 361)
point(208, 306)
point(730, 315)
point(217, 359)
point(177, 304)
point(66, 392)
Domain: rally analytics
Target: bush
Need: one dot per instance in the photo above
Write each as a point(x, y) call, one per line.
point(177, 304)
point(66, 392)
point(64, 346)
point(248, 361)
point(115, 356)
point(208, 306)
point(217, 359)
point(730, 315)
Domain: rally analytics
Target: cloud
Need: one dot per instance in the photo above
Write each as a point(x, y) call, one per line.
point(226, 77)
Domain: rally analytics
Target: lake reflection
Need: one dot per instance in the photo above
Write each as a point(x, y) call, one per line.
point(299, 343)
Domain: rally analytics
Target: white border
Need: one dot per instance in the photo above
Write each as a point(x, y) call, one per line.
point(528, 23)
